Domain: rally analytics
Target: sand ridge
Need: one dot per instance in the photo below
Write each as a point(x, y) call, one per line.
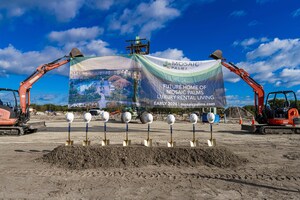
point(85, 157)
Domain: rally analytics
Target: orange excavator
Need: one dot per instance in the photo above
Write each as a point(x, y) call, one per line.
point(277, 114)
point(14, 117)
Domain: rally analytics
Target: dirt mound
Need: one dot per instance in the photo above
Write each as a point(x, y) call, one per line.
point(79, 157)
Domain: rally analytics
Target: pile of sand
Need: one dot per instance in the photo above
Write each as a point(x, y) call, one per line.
point(79, 157)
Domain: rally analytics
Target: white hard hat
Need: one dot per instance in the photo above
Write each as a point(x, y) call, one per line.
point(69, 117)
point(87, 117)
point(193, 118)
point(210, 117)
point(105, 116)
point(170, 119)
point(126, 117)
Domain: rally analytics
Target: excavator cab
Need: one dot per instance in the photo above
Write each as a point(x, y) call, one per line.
point(9, 109)
point(281, 107)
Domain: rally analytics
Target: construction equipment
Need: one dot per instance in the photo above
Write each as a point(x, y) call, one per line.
point(277, 114)
point(138, 46)
point(14, 117)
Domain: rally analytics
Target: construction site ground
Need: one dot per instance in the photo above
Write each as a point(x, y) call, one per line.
point(272, 170)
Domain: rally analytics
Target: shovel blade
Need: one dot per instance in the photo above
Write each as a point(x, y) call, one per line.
point(211, 143)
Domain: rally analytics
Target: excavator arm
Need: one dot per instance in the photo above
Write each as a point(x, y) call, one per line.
point(257, 88)
point(25, 86)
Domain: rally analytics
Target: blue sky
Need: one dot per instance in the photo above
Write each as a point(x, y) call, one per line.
point(261, 36)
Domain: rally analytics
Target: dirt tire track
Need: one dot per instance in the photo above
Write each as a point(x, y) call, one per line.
point(153, 175)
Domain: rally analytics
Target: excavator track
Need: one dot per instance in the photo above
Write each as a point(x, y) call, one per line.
point(31, 127)
point(279, 130)
point(8, 130)
point(267, 129)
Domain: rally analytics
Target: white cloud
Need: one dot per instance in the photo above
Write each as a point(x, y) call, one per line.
point(14, 61)
point(105, 4)
point(173, 54)
point(138, 17)
point(266, 77)
point(3, 73)
point(278, 83)
point(275, 55)
point(290, 76)
point(75, 34)
point(276, 62)
point(238, 13)
point(275, 46)
point(94, 48)
point(84, 39)
point(296, 13)
point(145, 18)
point(16, 12)
point(230, 76)
point(249, 42)
point(253, 23)
point(62, 10)
point(102, 4)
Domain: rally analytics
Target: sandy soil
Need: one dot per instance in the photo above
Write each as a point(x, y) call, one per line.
point(272, 170)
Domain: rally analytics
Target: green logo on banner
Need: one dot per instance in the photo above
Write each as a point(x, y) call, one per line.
point(167, 64)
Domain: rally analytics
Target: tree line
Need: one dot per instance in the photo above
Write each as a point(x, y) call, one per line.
point(54, 108)
point(64, 108)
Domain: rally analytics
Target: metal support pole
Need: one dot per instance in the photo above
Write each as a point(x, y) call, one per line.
point(126, 131)
point(211, 132)
point(104, 130)
point(86, 131)
point(171, 130)
point(194, 138)
point(69, 130)
point(148, 136)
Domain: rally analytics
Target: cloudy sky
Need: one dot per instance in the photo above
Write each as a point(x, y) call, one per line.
point(261, 36)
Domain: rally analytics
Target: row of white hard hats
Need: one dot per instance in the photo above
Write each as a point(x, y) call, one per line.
point(148, 118)
point(105, 116)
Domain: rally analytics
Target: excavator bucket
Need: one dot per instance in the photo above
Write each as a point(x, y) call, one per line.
point(75, 53)
point(217, 55)
point(37, 125)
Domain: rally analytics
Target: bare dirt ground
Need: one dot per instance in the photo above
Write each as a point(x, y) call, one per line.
point(272, 170)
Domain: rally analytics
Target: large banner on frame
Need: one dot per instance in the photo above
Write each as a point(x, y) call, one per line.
point(180, 84)
point(146, 81)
